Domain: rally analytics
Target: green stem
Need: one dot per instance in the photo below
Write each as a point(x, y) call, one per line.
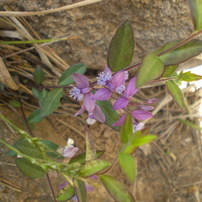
point(14, 127)
point(15, 150)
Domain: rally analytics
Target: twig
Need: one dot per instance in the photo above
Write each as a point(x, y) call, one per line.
point(30, 13)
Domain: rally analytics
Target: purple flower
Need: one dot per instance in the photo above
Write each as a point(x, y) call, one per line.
point(94, 111)
point(112, 84)
point(78, 92)
point(104, 77)
point(138, 126)
point(69, 150)
point(127, 94)
point(137, 114)
point(75, 198)
point(82, 92)
point(152, 100)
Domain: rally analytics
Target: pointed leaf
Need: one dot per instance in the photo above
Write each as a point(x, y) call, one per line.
point(67, 78)
point(11, 152)
point(81, 192)
point(35, 116)
point(176, 93)
point(51, 149)
point(81, 157)
point(35, 92)
point(188, 76)
point(25, 147)
point(51, 102)
point(111, 115)
point(39, 75)
point(90, 149)
point(196, 12)
point(66, 193)
point(126, 129)
point(42, 95)
point(121, 48)
point(181, 54)
point(151, 68)
point(137, 142)
point(188, 123)
point(118, 191)
point(92, 167)
point(128, 165)
point(168, 70)
point(29, 169)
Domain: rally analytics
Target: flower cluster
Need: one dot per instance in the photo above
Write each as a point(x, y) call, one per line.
point(111, 84)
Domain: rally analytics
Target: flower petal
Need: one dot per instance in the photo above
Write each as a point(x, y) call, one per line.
point(98, 114)
point(81, 110)
point(120, 121)
point(120, 103)
point(69, 151)
point(88, 187)
point(106, 70)
point(131, 87)
point(89, 102)
point(61, 186)
point(102, 94)
point(141, 115)
point(146, 108)
point(118, 79)
point(152, 100)
point(81, 80)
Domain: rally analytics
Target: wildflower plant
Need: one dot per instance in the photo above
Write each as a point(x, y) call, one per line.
point(112, 92)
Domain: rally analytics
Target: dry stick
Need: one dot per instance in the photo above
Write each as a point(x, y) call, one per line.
point(30, 13)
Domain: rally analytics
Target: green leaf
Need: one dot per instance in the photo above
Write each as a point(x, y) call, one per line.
point(66, 193)
point(51, 148)
point(188, 76)
point(81, 157)
point(36, 93)
point(181, 54)
point(176, 93)
point(25, 147)
point(51, 102)
point(111, 116)
point(67, 78)
point(137, 140)
point(39, 75)
point(14, 103)
point(151, 68)
point(11, 152)
point(169, 70)
point(118, 191)
point(35, 116)
point(42, 95)
point(126, 129)
point(29, 169)
point(188, 123)
point(81, 192)
point(196, 12)
point(121, 48)
point(92, 167)
point(128, 165)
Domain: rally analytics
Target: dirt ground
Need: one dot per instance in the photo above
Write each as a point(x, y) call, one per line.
point(169, 169)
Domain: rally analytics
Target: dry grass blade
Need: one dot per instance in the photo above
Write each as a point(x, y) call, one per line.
point(10, 34)
point(5, 76)
point(27, 13)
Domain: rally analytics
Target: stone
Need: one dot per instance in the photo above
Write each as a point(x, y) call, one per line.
point(154, 22)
